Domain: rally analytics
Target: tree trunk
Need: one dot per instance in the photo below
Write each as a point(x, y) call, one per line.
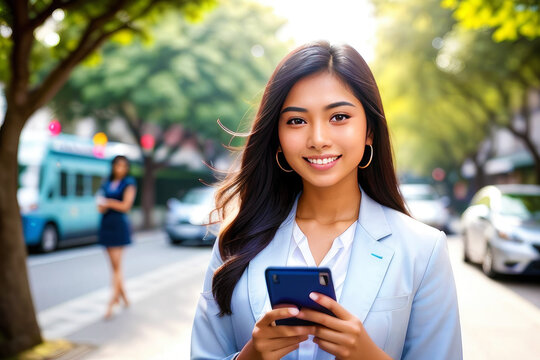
point(479, 177)
point(531, 147)
point(19, 329)
point(148, 195)
point(525, 135)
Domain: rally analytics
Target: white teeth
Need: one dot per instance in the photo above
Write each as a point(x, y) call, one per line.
point(323, 161)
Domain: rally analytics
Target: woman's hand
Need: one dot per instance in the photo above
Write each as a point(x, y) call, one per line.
point(102, 204)
point(274, 342)
point(343, 336)
point(125, 204)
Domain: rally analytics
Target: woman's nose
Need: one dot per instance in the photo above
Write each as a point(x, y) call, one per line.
point(319, 136)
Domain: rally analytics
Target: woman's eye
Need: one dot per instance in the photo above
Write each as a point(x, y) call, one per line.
point(295, 121)
point(340, 117)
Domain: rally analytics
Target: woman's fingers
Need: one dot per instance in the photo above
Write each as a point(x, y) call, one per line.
point(270, 345)
point(330, 335)
point(338, 350)
point(323, 319)
point(278, 354)
point(331, 305)
point(278, 314)
point(279, 340)
point(288, 331)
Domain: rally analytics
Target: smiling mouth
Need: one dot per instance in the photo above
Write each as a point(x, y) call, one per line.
point(323, 161)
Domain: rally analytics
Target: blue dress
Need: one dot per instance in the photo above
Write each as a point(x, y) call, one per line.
point(114, 228)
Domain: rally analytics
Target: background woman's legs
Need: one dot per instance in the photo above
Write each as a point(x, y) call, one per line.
point(115, 257)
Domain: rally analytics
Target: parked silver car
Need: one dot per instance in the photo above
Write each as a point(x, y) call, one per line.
point(187, 218)
point(426, 205)
point(501, 229)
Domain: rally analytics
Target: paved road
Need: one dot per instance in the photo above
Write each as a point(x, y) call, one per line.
point(69, 273)
point(500, 319)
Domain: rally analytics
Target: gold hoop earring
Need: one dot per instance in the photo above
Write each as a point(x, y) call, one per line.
point(281, 167)
point(370, 158)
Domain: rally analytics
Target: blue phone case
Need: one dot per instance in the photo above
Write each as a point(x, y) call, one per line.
point(292, 285)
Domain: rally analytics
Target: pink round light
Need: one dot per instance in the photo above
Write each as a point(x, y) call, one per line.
point(147, 142)
point(55, 127)
point(438, 174)
point(99, 151)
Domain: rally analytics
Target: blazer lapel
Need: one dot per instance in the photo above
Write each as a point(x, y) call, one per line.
point(275, 254)
point(369, 259)
point(368, 263)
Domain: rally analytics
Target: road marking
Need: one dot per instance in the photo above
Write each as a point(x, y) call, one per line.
point(45, 259)
point(73, 315)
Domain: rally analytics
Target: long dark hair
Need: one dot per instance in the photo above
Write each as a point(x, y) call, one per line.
point(114, 161)
point(257, 199)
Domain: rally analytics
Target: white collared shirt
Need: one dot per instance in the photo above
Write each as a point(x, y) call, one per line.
point(337, 260)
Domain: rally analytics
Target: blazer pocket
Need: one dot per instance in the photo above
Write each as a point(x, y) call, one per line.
point(390, 303)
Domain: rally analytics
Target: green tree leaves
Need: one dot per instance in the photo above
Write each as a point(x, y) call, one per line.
point(511, 19)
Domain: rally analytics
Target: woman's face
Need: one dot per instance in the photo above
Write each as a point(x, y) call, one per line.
point(322, 120)
point(120, 169)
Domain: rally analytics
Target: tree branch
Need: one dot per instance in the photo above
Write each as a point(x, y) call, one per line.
point(132, 120)
point(525, 111)
point(40, 18)
point(16, 92)
point(58, 77)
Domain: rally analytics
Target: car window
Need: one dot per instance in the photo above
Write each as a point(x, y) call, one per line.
point(523, 206)
point(418, 192)
point(199, 196)
point(483, 200)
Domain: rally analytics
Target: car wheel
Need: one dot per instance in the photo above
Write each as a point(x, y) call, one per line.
point(174, 241)
point(49, 239)
point(487, 264)
point(466, 257)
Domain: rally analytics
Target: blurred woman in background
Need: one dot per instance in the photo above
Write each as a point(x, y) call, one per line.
point(114, 202)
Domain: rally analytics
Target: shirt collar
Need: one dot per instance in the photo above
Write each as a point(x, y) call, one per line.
point(344, 240)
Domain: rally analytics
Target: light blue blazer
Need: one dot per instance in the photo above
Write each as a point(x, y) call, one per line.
point(399, 284)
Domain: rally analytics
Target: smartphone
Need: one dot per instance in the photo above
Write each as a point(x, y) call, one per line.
point(292, 285)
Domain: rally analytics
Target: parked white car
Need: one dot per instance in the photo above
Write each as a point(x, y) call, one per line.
point(501, 230)
point(426, 205)
point(187, 218)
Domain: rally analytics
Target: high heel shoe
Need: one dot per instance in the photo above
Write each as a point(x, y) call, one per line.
point(110, 309)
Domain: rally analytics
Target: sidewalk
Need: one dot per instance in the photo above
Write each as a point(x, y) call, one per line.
point(496, 323)
point(157, 325)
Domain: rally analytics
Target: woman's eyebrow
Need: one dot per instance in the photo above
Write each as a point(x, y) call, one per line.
point(327, 107)
point(339, 103)
point(293, 108)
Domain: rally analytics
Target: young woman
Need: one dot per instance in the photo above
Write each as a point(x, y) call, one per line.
point(115, 201)
point(317, 187)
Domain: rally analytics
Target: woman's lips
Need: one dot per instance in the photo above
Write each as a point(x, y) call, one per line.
point(323, 163)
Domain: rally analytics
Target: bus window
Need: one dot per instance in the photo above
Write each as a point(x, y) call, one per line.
point(63, 184)
point(96, 183)
point(79, 185)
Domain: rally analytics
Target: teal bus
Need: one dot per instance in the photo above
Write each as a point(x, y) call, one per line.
point(58, 179)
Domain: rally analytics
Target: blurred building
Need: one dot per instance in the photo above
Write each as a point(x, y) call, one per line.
point(508, 160)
